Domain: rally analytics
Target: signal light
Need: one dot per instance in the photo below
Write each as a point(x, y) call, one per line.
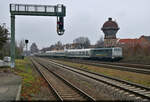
point(26, 41)
point(60, 25)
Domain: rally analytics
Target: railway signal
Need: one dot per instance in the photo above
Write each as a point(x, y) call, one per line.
point(60, 25)
point(26, 42)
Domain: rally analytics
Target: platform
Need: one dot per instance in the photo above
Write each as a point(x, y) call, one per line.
point(10, 87)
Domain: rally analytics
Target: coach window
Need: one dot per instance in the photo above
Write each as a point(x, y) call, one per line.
point(82, 53)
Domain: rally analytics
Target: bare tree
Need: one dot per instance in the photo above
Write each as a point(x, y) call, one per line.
point(45, 49)
point(59, 45)
point(81, 42)
point(34, 48)
point(21, 45)
point(52, 47)
point(100, 42)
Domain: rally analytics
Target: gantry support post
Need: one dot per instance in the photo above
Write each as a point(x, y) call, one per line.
point(12, 41)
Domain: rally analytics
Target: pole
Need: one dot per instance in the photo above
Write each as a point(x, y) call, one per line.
point(26, 49)
point(12, 41)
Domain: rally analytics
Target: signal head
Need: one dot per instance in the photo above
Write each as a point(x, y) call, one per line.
point(60, 25)
point(26, 41)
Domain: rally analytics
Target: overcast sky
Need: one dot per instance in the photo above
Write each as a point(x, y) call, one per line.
point(83, 18)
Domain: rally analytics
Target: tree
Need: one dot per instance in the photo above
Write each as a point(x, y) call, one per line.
point(52, 47)
point(59, 45)
point(34, 48)
point(21, 45)
point(3, 36)
point(5, 51)
point(100, 42)
point(17, 50)
point(4, 41)
point(45, 49)
point(81, 42)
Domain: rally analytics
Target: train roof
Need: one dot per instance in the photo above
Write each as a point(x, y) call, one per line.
point(71, 50)
point(54, 51)
point(90, 49)
point(105, 48)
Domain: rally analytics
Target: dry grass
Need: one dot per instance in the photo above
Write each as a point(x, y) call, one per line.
point(31, 82)
point(142, 79)
point(138, 54)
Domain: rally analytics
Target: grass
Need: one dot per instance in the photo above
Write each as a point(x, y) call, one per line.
point(142, 79)
point(24, 69)
point(136, 59)
point(30, 83)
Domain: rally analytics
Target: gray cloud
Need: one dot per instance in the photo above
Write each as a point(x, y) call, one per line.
point(84, 18)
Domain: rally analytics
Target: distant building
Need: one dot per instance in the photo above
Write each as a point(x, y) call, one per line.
point(143, 41)
point(128, 42)
point(69, 46)
point(92, 46)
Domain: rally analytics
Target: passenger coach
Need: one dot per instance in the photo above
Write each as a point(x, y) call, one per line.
point(92, 53)
point(96, 53)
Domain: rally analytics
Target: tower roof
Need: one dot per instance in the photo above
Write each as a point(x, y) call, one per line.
point(110, 24)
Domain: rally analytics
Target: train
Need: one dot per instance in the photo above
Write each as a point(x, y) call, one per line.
point(114, 53)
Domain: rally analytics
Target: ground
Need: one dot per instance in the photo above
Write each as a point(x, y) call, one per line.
point(33, 86)
point(138, 78)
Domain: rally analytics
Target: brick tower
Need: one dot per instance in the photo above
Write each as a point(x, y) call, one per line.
point(110, 29)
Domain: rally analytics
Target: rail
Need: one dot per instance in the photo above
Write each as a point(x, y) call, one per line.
point(142, 70)
point(133, 88)
point(67, 83)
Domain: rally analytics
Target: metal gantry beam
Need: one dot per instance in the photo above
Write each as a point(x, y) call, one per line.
point(38, 10)
point(31, 10)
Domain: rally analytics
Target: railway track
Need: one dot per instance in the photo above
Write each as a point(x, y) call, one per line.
point(137, 68)
point(139, 92)
point(52, 94)
point(63, 89)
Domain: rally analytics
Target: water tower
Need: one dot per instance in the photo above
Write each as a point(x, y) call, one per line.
point(110, 29)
